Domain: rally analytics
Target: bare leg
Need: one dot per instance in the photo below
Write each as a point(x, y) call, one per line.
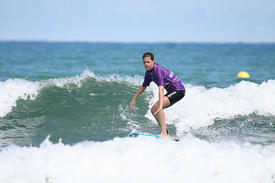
point(160, 116)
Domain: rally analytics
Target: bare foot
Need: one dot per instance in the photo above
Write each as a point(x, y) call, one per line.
point(163, 135)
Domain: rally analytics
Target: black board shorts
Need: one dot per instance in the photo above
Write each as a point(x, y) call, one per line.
point(175, 96)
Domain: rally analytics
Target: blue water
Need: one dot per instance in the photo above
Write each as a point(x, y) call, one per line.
point(77, 95)
point(202, 64)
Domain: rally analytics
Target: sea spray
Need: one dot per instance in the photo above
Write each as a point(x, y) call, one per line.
point(201, 106)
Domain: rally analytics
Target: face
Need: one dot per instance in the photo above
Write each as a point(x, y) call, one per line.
point(148, 63)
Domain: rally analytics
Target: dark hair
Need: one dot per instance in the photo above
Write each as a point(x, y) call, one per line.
point(148, 54)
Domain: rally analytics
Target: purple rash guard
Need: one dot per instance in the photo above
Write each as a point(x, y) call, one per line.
point(162, 77)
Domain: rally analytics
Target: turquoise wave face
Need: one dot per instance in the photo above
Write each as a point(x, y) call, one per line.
point(91, 111)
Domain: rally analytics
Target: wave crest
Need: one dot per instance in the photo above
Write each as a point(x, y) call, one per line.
point(13, 89)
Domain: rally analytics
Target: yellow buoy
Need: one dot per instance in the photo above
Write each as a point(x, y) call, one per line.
point(243, 74)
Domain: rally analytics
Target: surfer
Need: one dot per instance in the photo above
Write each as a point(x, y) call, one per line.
point(165, 79)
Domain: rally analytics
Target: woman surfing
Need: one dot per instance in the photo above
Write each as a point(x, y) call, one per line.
point(164, 79)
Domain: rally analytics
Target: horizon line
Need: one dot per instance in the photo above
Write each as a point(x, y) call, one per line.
point(138, 42)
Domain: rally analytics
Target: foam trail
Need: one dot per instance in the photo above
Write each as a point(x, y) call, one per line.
point(201, 106)
point(141, 159)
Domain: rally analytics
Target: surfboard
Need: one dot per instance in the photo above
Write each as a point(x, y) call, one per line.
point(136, 134)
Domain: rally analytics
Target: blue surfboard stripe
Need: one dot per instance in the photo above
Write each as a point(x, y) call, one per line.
point(146, 134)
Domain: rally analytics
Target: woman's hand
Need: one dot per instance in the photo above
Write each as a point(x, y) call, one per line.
point(132, 105)
point(133, 102)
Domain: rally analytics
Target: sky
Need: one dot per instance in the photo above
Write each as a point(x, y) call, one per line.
point(138, 20)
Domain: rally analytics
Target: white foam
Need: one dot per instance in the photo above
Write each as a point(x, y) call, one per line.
point(13, 89)
point(201, 106)
point(142, 159)
point(135, 81)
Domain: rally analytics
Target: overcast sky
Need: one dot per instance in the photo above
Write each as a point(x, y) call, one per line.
point(138, 20)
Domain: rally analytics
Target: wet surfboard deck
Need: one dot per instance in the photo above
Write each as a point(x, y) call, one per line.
point(136, 134)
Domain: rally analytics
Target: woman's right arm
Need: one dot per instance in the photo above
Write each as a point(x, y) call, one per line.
point(133, 102)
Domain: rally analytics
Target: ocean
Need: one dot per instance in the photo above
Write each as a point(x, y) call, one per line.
point(64, 113)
